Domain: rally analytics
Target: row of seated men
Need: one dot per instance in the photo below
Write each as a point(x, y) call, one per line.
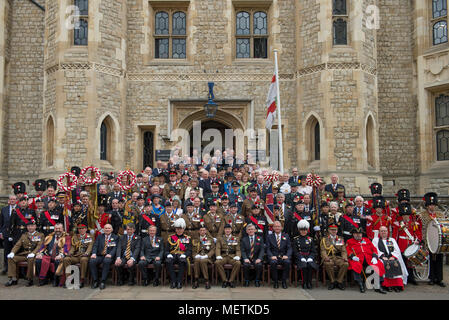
point(51, 255)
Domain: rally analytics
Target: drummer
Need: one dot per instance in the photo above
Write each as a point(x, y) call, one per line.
point(436, 260)
point(407, 230)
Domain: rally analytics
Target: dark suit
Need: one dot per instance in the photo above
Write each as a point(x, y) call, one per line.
point(293, 178)
point(285, 249)
point(205, 184)
point(259, 251)
point(98, 250)
point(5, 230)
point(134, 253)
point(329, 188)
point(150, 252)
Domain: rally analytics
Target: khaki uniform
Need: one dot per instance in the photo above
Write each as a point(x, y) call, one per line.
point(180, 189)
point(80, 252)
point(228, 248)
point(193, 224)
point(167, 227)
point(237, 223)
point(248, 203)
point(27, 244)
point(214, 224)
point(206, 247)
point(336, 252)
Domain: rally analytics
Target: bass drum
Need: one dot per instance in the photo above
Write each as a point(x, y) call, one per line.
point(437, 236)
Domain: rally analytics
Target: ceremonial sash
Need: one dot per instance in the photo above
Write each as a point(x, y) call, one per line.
point(256, 222)
point(21, 216)
point(176, 239)
point(148, 220)
point(47, 215)
point(350, 221)
point(298, 216)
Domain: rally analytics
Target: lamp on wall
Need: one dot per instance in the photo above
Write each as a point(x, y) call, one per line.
point(211, 107)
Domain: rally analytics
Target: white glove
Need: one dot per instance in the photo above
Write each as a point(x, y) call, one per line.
point(169, 256)
point(31, 255)
point(317, 228)
point(197, 256)
point(236, 258)
point(10, 239)
point(355, 258)
point(303, 260)
point(11, 255)
point(124, 232)
point(219, 257)
point(204, 257)
point(215, 240)
point(309, 260)
point(374, 260)
point(92, 232)
point(182, 256)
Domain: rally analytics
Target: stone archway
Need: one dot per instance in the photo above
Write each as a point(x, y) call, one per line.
point(222, 121)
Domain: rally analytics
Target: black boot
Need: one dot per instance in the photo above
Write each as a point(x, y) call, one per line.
point(56, 281)
point(195, 284)
point(11, 282)
point(331, 286)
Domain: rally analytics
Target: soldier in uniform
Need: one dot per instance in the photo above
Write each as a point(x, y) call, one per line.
point(305, 253)
point(349, 221)
point(116, 217)
point(25, 249)
point(326, 218)
point(128, 252)
point(228, 252)
point(235, 220)
point(179, 249)
point(333, 254)
point(407, 230)
point(250, 201)
point(258, 220)
point(103, 252)
point(19, 189)
point(79, 253)
point(78, 217)
point(167, 220)
point(325, 196)
point(179, 187)
point(151, 252)
point(236, 196)
point(435, 260)
point(192, 219)
point(279, 252)
point(340, 199)
point(203, 251)
point(289, 198)
point(146, 219)
point(376, 191)
point(40, 186)
point(213, 221)
point(378, 219)
point(49, 218)
point(20, 218)
point(223, 207)
point(51, 254)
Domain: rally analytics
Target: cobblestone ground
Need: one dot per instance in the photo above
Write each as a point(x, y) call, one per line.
point(421, 292)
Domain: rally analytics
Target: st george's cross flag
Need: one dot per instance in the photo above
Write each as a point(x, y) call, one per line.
point(271, 104)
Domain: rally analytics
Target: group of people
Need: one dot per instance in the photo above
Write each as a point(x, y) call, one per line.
point(189, 217)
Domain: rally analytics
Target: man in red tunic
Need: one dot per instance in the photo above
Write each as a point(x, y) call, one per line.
point(407, 230)
point(378, 219)
point(361, 253)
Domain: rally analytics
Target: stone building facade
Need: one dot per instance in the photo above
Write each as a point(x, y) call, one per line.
point(368, 104)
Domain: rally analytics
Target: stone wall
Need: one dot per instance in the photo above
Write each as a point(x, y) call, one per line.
point(25, 87)
point(397, 101)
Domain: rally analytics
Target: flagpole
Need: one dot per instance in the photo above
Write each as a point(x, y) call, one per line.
point(278, 107)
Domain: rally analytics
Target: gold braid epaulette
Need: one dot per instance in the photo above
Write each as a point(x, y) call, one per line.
point(176, 250)
point(330, 250)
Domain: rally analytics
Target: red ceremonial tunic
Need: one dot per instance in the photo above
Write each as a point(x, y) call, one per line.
point(375, 224)
point(103, 220)
point(364, 250)
point(413, 226)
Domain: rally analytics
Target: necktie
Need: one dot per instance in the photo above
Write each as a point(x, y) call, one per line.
point(252, 248)
point(105, 245)
point(128, 249)
point(278, 240)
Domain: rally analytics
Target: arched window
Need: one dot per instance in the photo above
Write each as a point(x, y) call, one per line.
point(439, 21)
point(313, 145)
point(50, 141)
point(80, 31)
point(251, 29)
point(369, 134)
point(103, 141)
